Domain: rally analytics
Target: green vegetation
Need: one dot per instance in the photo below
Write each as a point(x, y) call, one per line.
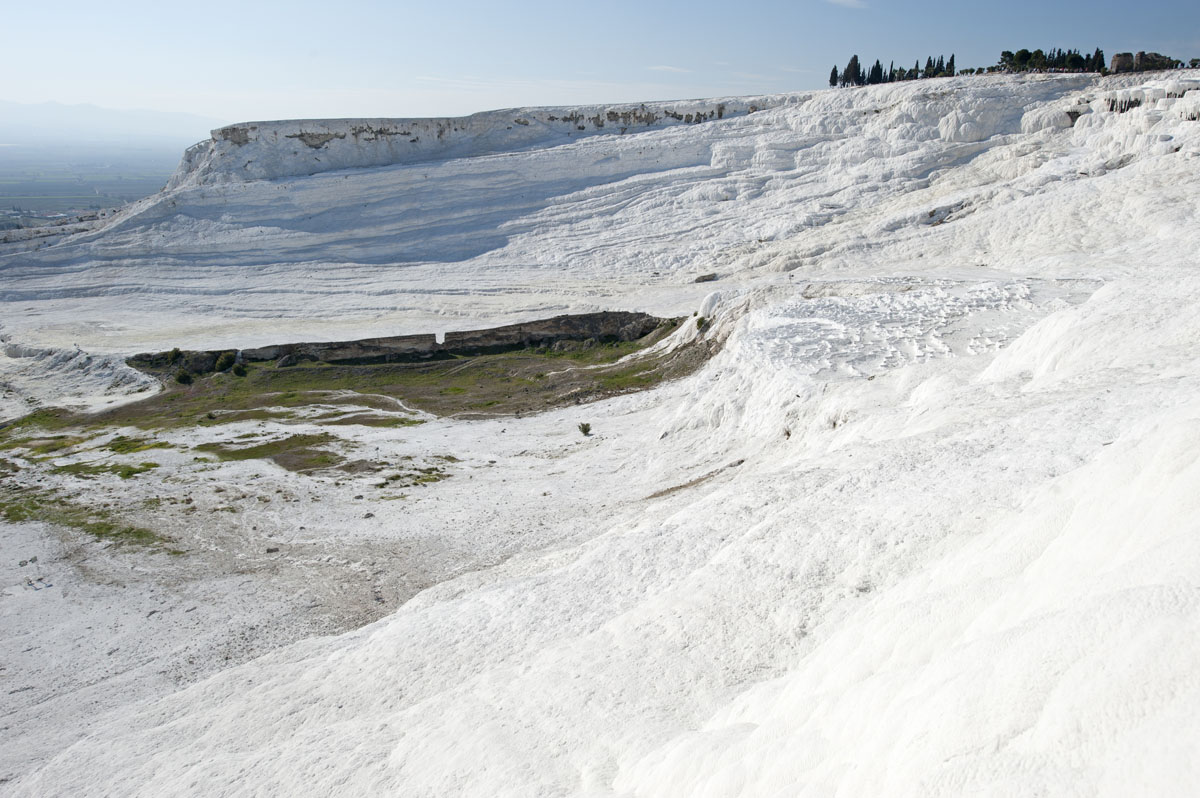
point(295, 452)
point(40, 445)
point(49, 506)
point(373, 420)
point(518, 381)
point(225, 361)
point(213, 418)
point(585, 428)
point(123, 445)
point(52, 419)
point(416, 476)
point(630, 379)
point(1054, 60)
point(89, 470)
point(855, 75)
point(514, 382)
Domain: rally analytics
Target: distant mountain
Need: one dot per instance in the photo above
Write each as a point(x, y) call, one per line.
point(55, 123)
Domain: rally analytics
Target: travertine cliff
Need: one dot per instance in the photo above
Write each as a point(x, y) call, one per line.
point(266, 150)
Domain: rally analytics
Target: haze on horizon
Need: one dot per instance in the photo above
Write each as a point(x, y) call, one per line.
point(234, 62)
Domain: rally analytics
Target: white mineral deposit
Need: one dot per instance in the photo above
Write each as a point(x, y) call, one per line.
point(926, 523)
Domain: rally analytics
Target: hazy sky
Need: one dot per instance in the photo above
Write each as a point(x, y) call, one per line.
point(247, 60)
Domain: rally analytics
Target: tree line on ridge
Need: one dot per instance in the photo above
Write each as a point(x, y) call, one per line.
point(1054, 60)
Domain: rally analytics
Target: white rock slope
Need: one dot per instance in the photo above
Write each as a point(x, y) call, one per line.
point(927, 526)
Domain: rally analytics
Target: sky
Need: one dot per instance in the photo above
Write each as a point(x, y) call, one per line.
point(247, 60)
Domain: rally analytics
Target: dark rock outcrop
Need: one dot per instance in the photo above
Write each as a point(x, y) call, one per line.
point(607, 326)
point(1121, 62)
point(1141, 62)
point(1145, 62)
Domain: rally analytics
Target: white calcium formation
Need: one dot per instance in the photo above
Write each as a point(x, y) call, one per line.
point(926, 525)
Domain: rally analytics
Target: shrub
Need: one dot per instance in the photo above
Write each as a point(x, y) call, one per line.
point(225, 360)
point(173, 356)
point(183, 378)
point(701, 323)
point(239, 370)
point(585, 428)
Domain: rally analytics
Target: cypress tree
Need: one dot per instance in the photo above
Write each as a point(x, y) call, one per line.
point(853, 74)
point(939, 69)
point(876, 75)
point(833, 77)
point(950, 66)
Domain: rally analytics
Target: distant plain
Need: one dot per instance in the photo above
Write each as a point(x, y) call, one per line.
point(59, 178)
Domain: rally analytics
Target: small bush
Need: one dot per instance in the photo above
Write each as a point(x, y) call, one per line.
point(239, 370)
point(183, 378)
point(585, 428)
point(701, 323)
point(173, 356)
point(225, 361)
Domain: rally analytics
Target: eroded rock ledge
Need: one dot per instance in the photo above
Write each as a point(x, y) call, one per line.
point(289, 148)
point(603, 327)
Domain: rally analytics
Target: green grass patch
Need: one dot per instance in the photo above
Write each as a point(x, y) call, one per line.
point(505, 383)
point(264, 450)
point(89, 470)
point(413, 477)
point(295, 452)
point(50, 507)
point(213, 418)
point(45, 445)
point(373, 420)
point(633, 378)
point(124, 445)
point(54, 444)
point(46, 419)
point(595, 354)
